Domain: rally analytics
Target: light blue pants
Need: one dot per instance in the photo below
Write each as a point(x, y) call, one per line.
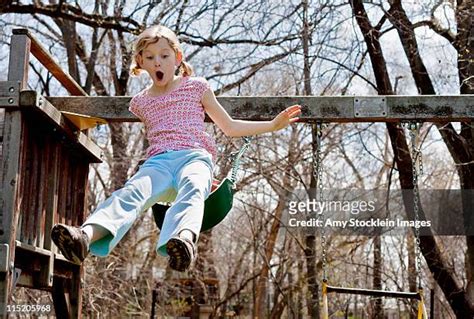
point(184, 177)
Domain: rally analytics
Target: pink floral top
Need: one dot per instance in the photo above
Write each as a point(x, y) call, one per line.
point(175, 121)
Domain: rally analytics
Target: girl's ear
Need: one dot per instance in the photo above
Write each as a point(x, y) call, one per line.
point(139, 59)
point(179, 58)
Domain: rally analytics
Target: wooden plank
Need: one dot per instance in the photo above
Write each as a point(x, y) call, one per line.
point(27, 160)
point(60, 258)
point(62, 192)
point(52, 188)
point(2, 119)
point(12, 134)
point(75, 294)
point(108, 108)
point(46, 275)
point(77, 192)
point(12, 146)
point(67, 196)
point(48, 61)
point(36, 266)
point(19, 59)
point(33, 249)
point(432, 108)
point(31, 99)
point(61, 305)
point(32, 195)
point(9, 202)
point(23, 180)
point(45, 154)
point(83, 184)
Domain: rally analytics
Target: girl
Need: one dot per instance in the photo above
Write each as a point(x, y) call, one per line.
point(180, 160)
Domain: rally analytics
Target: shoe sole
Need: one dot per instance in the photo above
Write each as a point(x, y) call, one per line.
point(62, 238)
point(180, 258)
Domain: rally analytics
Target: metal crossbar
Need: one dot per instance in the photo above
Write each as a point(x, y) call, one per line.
point(374, 293)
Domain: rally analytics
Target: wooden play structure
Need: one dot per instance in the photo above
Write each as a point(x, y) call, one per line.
point(46, 154)
point(45, 166)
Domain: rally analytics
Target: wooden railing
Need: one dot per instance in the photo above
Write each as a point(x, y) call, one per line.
point(45, 166)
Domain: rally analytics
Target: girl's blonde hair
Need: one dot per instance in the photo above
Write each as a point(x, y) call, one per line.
point(152, 35)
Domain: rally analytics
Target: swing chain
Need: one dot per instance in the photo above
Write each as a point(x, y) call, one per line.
point(235, 156)
point(420, 162)
point(318, 175)
point(414, 129)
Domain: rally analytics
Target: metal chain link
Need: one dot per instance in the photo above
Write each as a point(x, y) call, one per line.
point(235, 156)
point(318, 176)
point(416, 158)
point(420, 162)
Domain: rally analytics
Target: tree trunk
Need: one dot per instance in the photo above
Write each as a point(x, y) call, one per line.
point(261, 291)
point(460, 147)
point(465, 48)
point(300, 289)
point(411, 270)
point(121, 161)
point(68, 30)
point(306, 37)
point(205, 269)
point(312, 301)
point(313, 287)
point(377, 304)
point(454, 293)
point(285, 191)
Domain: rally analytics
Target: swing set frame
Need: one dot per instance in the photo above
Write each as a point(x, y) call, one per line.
point(27, 256)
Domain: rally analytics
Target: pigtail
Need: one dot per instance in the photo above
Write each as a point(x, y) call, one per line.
point(185, 69)
point(135, 70)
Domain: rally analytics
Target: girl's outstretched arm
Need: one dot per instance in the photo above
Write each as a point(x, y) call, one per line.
point(235, 128)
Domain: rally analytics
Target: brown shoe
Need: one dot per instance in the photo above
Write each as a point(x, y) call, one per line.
point(71, 241)
point(182, 253)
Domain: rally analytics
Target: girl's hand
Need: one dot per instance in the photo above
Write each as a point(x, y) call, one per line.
point(285, 118)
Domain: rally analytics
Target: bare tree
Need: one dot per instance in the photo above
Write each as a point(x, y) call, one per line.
point(257, 48)
point(459, 300)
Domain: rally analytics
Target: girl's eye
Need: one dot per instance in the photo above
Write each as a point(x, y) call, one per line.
point(149, 58)
point(165, 56)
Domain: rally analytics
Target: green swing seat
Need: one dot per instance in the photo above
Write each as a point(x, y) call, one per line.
point(216, 206)
point(219, 201)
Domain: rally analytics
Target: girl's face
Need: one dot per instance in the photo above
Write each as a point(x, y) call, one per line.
point(160, 61)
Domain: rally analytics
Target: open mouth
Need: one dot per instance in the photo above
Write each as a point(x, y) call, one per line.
point(160, 75)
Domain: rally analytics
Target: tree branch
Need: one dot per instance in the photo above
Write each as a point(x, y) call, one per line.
point(69, 12)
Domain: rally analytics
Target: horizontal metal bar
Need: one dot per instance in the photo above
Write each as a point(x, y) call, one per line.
point(430, 108)
point(374, 293)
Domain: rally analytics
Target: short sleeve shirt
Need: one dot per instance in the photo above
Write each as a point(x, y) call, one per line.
point(175, 121)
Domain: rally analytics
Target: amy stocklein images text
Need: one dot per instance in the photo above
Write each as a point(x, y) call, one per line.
point(356, 223)
point(313, 206)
